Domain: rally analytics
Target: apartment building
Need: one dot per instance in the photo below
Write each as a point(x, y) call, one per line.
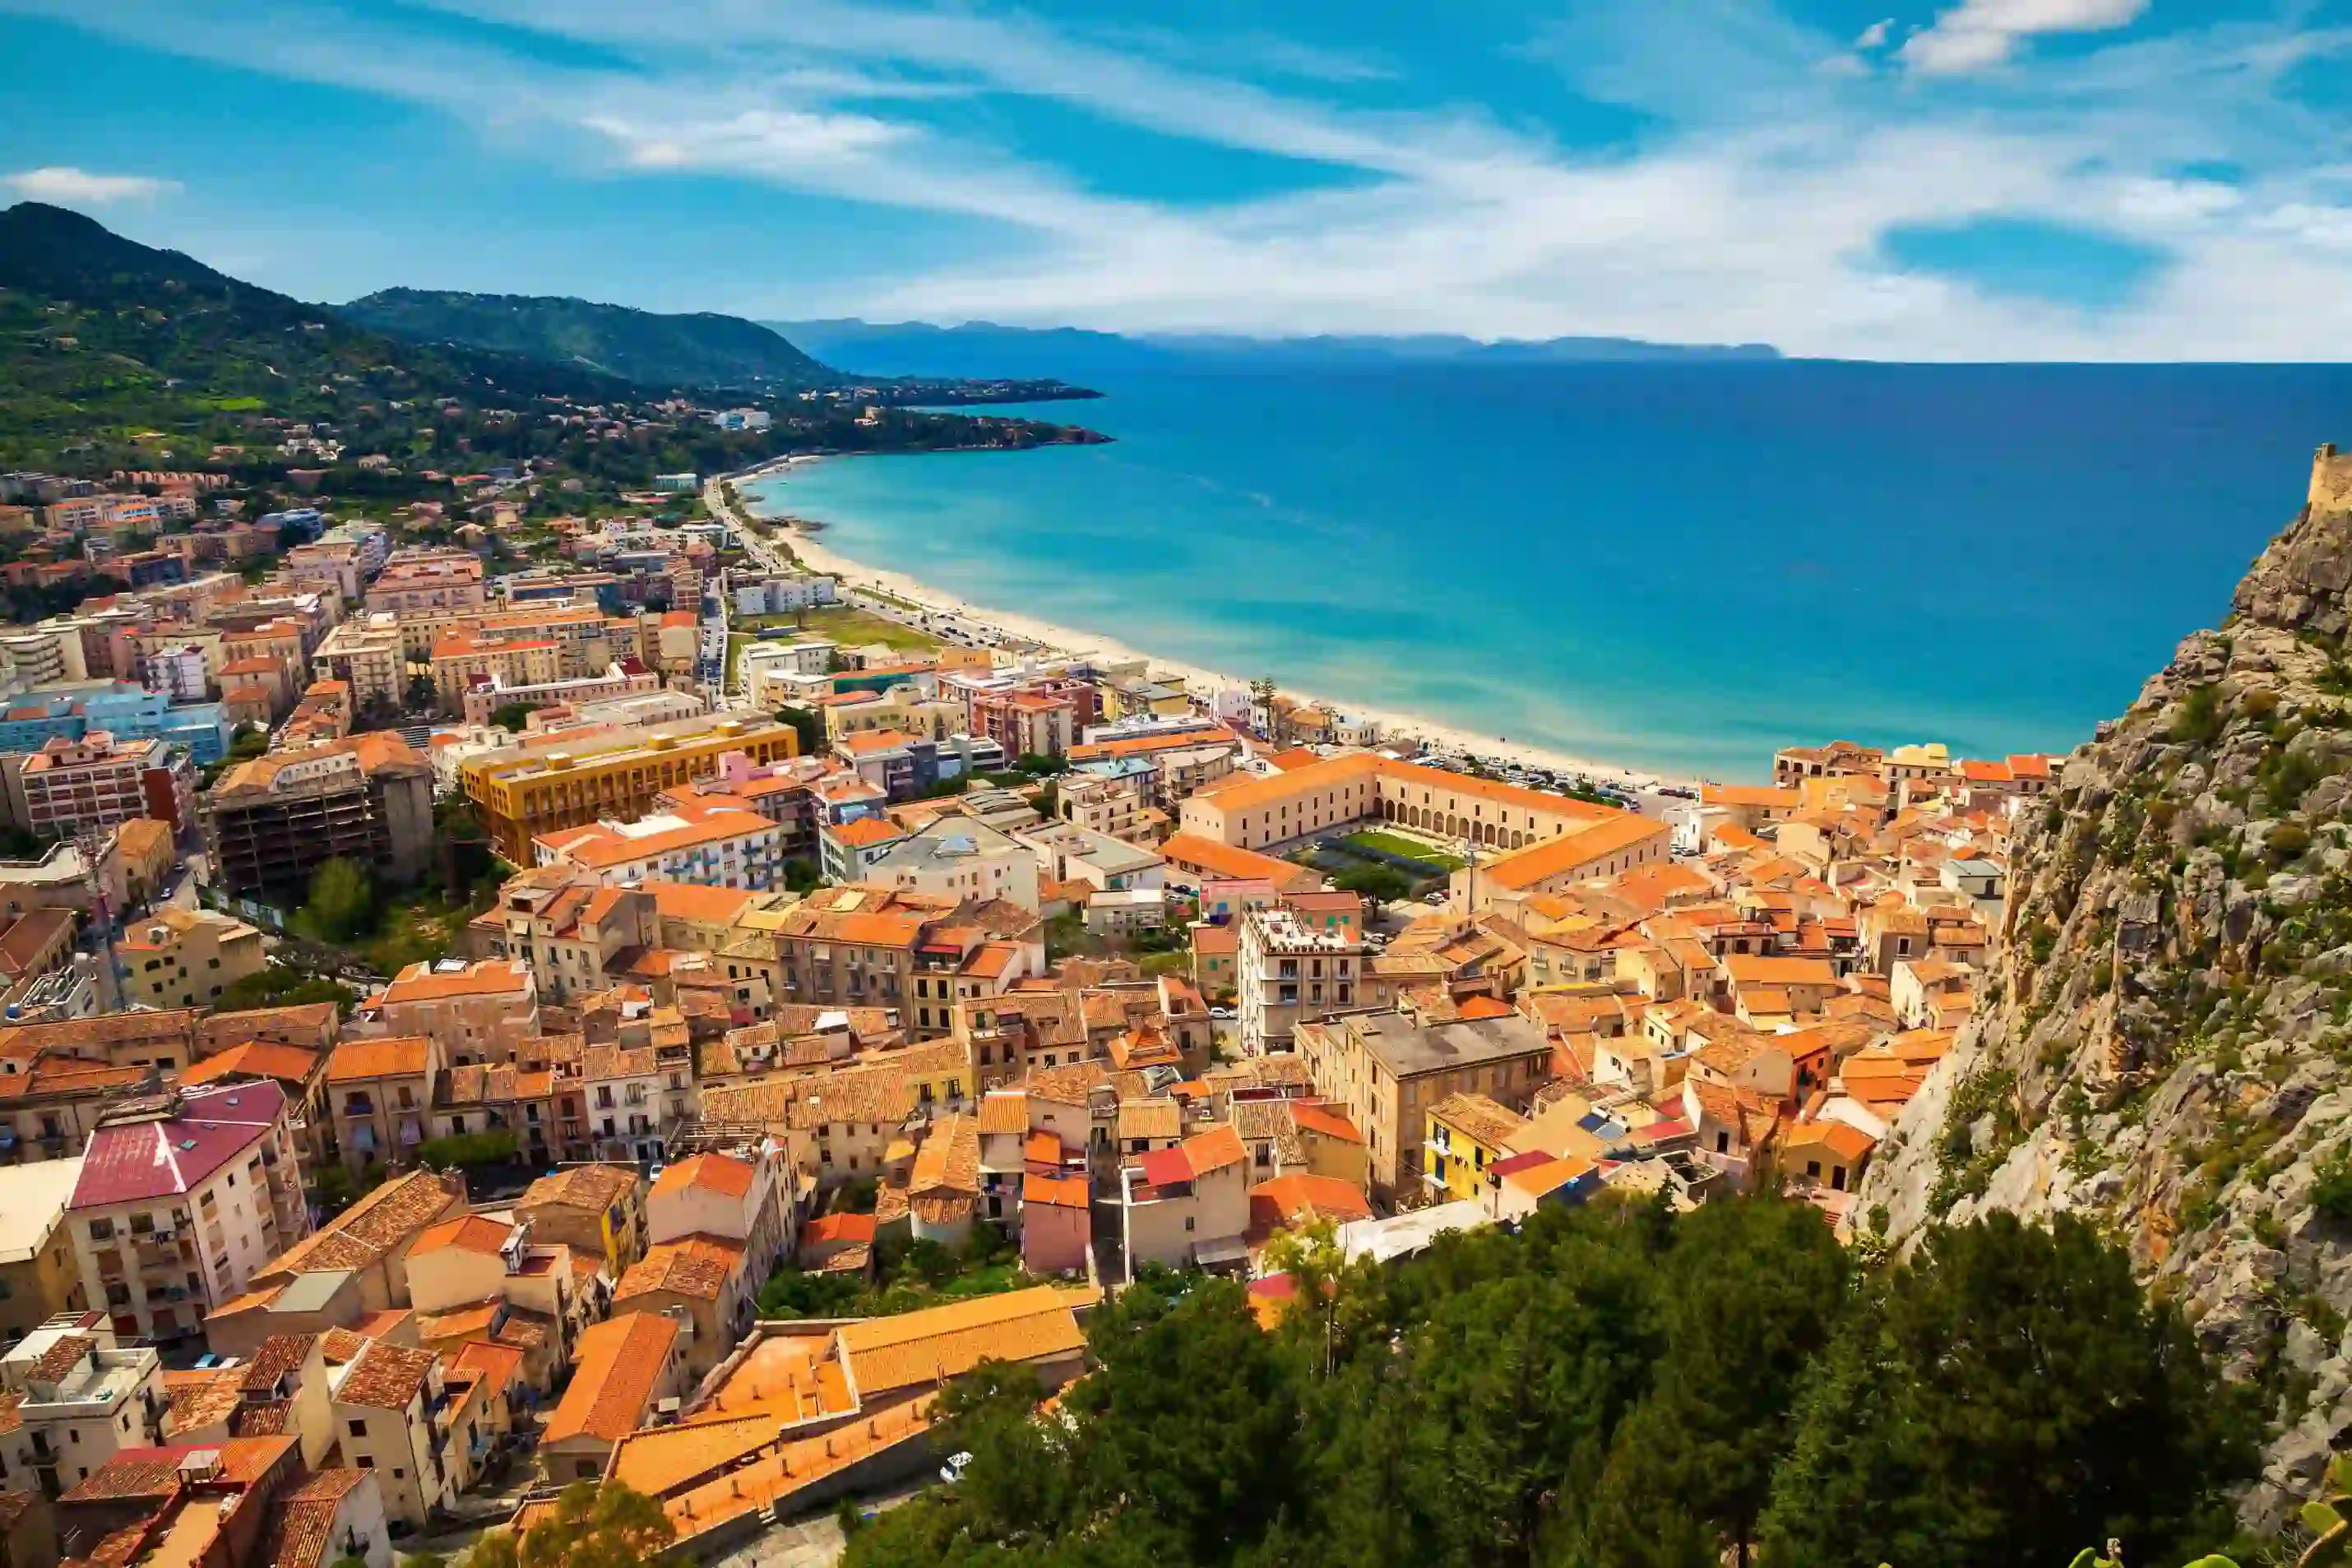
point(1385, 1072)
point(183, 959)
point(80, 1396)
point(97, 782)
point(740, 1197)
point(38, 1277)
point(480, 699)
point(700, 1284)
point(853, 946)
point(710, 846)
point(368, 656)
point(462, 662)
point(379, 1094)
point(901, 710)
point(182, 1196)
point(384, 1403)
point(426, 581)
point(518, 798)
point(270, 822)
point(472, 1011)
point(1028, 721)
point(959, 857)
point(1287, 969)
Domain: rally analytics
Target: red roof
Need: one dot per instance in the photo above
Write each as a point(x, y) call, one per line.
point(1165, 1168)
point(850, 1227)
point(138, 1160)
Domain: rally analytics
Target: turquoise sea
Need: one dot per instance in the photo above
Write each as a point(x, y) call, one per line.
point(1673, 566)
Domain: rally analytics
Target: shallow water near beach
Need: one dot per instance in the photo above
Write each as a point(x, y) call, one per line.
point(1677, 567)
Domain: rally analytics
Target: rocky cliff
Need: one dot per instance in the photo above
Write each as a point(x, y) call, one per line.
point(2164, 1041)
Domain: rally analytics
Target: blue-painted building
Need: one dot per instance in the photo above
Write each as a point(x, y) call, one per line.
point(121, 708)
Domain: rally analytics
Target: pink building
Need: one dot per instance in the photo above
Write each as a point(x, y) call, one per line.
point(1055, 1228)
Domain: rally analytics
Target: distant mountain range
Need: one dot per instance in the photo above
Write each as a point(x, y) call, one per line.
point(984, 348)
point(703, 350)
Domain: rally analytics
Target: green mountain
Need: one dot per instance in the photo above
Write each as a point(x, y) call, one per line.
point(103, 340)
point(702, 350)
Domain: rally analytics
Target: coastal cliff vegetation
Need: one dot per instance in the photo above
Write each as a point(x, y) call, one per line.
point(1610, 1387)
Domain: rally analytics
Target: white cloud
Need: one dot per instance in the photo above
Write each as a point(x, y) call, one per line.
point(1874, 35)
point(1981, 33)
point(1751, 208)
point(80, 188)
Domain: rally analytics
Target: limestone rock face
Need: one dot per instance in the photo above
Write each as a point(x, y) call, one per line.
point(2165, 1041)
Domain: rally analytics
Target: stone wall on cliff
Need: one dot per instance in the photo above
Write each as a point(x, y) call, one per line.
point(2165, 1041)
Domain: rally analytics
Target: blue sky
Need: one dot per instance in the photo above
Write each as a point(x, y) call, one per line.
point(1950, 179)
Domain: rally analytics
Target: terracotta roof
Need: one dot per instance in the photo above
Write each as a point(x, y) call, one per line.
point(470, 1233)
point(386, 1376)
point(828, 1230)
point(1055, 1192)
point(421, 982)
point(1479, 1117)
point(1287, 1199)
point(255, 1059)
point(698, 1265)
point(301, 1535)
point(595, 1188)
point(1150, 1119)
point(193, 1406)
point(621, 1361)
point(399, 1056)
point(918, 1349)
point(274, 1358)
point(501, 1363)
point(1312, 1118)
point(1213, 1150)
point(382, 1219)
point(722, 1174)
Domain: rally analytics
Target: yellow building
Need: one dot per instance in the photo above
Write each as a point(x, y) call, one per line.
point(518, 798)
point(1253, 812)
point(174, 958)
point(1465, 1134)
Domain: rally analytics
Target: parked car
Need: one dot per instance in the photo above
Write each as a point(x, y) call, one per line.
point(1222, 1015)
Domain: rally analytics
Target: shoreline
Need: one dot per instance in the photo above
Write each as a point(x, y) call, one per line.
point(815, 552)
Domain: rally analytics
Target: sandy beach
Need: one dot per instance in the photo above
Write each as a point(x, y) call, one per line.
point(817, 551)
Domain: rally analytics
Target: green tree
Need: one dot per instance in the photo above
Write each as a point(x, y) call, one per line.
point(342, 900)
point(1752, 1291)
point(809, 726)
point(511, 716)
point(594, 1525)
point(249, 742)
point(279, 987)
point(1190, 1426)
point(2008, 1394)
point(1383, 882)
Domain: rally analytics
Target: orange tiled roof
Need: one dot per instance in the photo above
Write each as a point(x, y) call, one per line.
point(918, 1349)
point(621, 1361)
point(722, 1174)
point(400, 1056)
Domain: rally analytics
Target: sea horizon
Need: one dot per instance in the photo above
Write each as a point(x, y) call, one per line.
point(1674, 567)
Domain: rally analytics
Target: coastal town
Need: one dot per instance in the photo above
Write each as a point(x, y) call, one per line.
point(500, 995)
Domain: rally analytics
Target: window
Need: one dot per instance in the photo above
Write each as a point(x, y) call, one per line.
point(359, 1428)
